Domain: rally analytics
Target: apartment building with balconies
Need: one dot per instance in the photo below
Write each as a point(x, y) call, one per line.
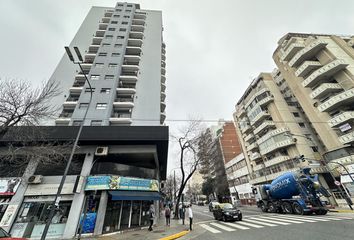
point(125, 62)
point(270, 127)
point(319, 71)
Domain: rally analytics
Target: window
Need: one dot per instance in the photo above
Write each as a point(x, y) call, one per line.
point(111, 29)
point(120, 37)
point(109, 77)
point(128, 10)
point(114, 22)
point(124, 23)
point(101, 106)
point(314, 149)
point(105, 44)
point(105, 90)
point(95, 77)
point(302, 125)
point(83, 105)
point(102, 54)
point(129, 5)
point(96, 122)
point(112, 65)
point(109, 37)
point(118, 10)
point(87, 90)
point(126, 16)
point(116, 16)
point(115, 54)
point(120, 5)
point(122, 29)
point(296, 114)
point(77, 122)
point(119, 45)
point(99, 65)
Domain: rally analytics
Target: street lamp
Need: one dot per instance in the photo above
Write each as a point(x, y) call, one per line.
point(56, 201)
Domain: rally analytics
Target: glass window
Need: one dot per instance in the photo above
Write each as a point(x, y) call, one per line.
point(101, 106)
point(124, 23)
point(111, 29)
point(109, 37)
point(99, 65)
point(122, 29)
point(114, 22)
point(296, 114)
point(108, 77)
point(83, 105)
point(102, 54)
point(120, 37)
point(105, 90)
point(115, 54)
point(105, 44)
point(87, 90)
point(116, 16)
point(95, 77)
point(77, 123)
point(302, 125)
point(112, 65)
point(126, 16)
point(118, 45)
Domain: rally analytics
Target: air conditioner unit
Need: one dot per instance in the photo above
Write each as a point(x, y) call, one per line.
point(315, 104)
point(101, 151)
point(35, 179)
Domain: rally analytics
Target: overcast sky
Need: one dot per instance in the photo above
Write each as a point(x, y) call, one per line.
point(213, 48)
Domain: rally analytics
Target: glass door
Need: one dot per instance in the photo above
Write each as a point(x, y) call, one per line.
point(111, 221)
point(136, 207)
point(125, 216)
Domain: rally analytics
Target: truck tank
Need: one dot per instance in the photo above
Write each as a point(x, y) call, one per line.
point(284, 186)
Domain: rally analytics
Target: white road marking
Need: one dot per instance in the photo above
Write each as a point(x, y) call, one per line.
point(258, 222)
point(329, 218)
point(222, 227)
point(210, 229)
point(250, 224)
point(283, 220)
point(235, 225)
point(271, 221)
point(296, 218)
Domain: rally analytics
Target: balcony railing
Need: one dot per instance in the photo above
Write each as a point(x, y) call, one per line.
point(306, 53)
point(307, 67)
point(246, 129)
point(255, 155)
point(263, 126)
point(324, 72)
point(126, 89)
point(324, 89)
point(276, 160)
point(291, 51)
point(347, 138)
point(249, 137)
point(252, 146)
point(259, 117)
point(278, 145)
point(265, 100)
point(341, 118)
point(137, 28)
point(340, 99)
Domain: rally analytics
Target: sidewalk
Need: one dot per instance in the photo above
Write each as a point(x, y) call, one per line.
point(160, 231)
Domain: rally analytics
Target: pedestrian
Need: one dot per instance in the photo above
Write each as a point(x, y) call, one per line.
point(151, 216)
point(190, 214)
point(168, 215)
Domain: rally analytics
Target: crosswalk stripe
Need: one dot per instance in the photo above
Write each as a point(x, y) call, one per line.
point(210, 229)
point(314, 218)
point(250, 224)
point(261, 223)
point(223, 227)
point(329, 218)
point(284, 220)
point(270, 221)
point(296, 218)
point(235, 225)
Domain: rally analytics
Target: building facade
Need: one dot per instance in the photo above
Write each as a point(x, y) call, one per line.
point(116, 172)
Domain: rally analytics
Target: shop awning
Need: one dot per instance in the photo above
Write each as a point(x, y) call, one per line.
point(134, 195)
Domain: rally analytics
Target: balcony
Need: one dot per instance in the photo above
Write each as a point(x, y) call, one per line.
point(341, 119)
point(89, 57)
point(162, 117)
point(308, 52)
point(135, 42)
point(108, 14)
point(272, 134)
point(258, 180)
point(255, 155)
point(324, 72)
point(100, 33)
point(163, 71)
point(163, 96)
point(105, 19)
point(163, 78)
point(249, 137)
point(102, 26)
point(347, 138)
point(130, 69)
point(162, 106)
point(240, 112)
point(258, 167)
point(259, 117)
point(129, 50)
point(76, 90)
point(163, 87)
point(126, 90)
point(265, 125)
point(291, 51)
point(97, 40)
point(307, 67)
point(136, 35)
point(246, 128)
point(276, 160)
point(324, 89)
point(128, 78)
point(123, 103)
point(163, 57)
point(139, 15)
point(131, 60)
point(70, 103)
point(278, 145)
point(121, 118)
point(252, 146)
point(265, 101)
point(138, 22)
point(338, 100)
point(137, 28)
point(263, 90)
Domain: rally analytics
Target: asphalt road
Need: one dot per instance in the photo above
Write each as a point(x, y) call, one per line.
point(257, 225)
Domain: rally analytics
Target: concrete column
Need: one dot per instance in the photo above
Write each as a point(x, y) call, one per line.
point(101, 213)
point(77, 204)
point(17, 199)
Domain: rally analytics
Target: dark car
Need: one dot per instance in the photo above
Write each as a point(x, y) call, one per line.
point(6, 236)
point(227, 212)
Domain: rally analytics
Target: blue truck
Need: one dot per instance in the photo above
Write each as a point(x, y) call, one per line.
point(293, 192)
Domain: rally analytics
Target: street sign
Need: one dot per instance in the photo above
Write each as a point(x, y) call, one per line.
point(337, 183)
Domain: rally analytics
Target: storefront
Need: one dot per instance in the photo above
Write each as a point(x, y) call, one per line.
point(8, 188)
point(128, 200)
point(35, 208)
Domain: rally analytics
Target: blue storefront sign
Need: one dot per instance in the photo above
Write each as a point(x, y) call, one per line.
point(121, 183)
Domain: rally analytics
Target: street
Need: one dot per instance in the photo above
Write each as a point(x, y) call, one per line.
point(258, 225)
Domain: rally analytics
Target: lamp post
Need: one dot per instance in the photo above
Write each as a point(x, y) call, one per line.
point(56, 201)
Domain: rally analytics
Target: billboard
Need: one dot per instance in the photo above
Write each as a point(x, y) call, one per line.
point(8, 186)
point(121, 183)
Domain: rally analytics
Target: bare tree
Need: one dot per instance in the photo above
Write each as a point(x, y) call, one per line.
point(21, 104)
point(171, 186)
point(188, 154)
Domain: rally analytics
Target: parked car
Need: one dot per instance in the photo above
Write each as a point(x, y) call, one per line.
point(226, 212)
point(200, 203)
point(212, 206)
point(6, 236)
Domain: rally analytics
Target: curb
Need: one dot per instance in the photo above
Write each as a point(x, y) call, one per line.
point(342, 211)
point(175, 236)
